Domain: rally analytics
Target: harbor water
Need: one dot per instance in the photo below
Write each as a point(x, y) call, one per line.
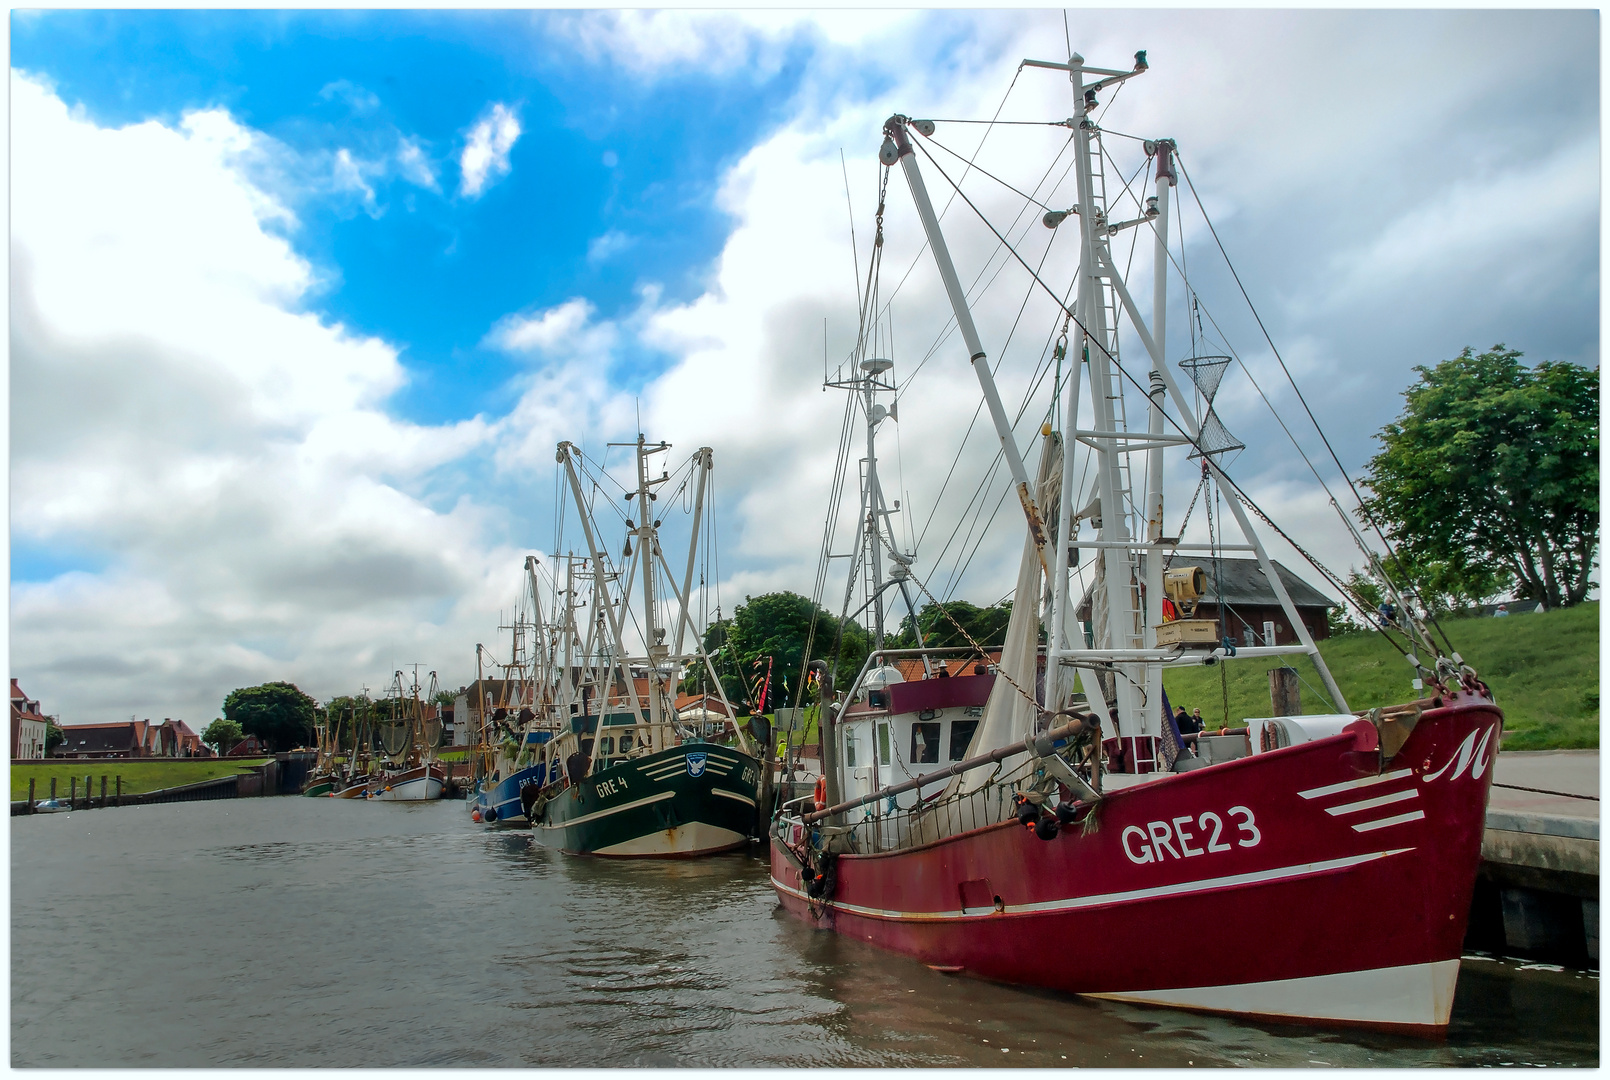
point(316, 932)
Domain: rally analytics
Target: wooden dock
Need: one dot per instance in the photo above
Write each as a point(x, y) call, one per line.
point(1538, 894)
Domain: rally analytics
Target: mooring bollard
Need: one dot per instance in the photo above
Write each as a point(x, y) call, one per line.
point(30, 794)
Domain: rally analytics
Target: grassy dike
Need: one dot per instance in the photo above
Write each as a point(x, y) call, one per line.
point(139, 775)
point(1543, 668)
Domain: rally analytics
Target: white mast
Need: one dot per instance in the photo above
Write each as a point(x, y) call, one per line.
point(566, 449)
point(647, 548)
point(876, 530)
point(1123, 622)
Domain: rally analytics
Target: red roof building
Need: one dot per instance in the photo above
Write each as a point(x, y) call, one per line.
point(28, 725)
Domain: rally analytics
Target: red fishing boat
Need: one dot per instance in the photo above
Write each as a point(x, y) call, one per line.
point(1036, 816)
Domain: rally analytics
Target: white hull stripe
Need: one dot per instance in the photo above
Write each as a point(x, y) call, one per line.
point(725, 794)
point(1371, 804)
point(1184, 888)
point(596, 814)
point(687, 839)
point(1349, 785)
point(1401, 819)
point(1411, 994)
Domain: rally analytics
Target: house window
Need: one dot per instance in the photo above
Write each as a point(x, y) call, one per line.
point(925, 743)
point(883, 744)
point(961, 736)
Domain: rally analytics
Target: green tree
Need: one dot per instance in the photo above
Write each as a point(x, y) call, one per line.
point(1489, 481)
point(277, 713)
point(222, 735)
point(776, 626)
point(54, 735)
point(939, 623)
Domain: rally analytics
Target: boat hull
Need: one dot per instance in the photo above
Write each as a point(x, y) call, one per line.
point(683, 802)
point(1301, 884)
point(357, 790)
point(420, 784)
point(500, 804)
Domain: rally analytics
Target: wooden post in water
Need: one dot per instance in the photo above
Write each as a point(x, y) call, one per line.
point(103, 791)
point(72, 792)
point(1285, 692)
point(52, 789)
point(120, 789)
point(30, 794)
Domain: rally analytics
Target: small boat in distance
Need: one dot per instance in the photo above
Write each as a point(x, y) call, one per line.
point(409, 735)
point(1001, 825)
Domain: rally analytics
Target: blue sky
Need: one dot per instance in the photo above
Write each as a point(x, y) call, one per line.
point(431, 270)
point(301, 302)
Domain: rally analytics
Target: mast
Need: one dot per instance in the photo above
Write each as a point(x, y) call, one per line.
point(647, 547)
point(897, 147)
point(876, 525)
point(566, 449)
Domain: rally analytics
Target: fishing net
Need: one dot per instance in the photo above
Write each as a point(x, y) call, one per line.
point(1206, 373)
point(394, 737)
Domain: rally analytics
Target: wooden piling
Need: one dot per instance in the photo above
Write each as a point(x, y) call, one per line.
point(103, 791)
point(52, 789)
point(72, 792)
point(30, 794)
point(1285, 692)
point(120, 789)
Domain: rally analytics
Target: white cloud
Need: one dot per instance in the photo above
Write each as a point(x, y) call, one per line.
point(226, 453)
point(349, 177)
point(606, 247)
point(546, 331)
point(415, 167)
point(359, 99)
point(486, 151)
point(650, 43)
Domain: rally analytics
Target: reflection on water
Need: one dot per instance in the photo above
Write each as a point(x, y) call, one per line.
point(312, 932)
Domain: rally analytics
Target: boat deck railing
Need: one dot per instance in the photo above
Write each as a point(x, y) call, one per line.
point(881, 830)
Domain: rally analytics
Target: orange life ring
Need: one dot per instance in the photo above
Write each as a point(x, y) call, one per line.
point(821, 793)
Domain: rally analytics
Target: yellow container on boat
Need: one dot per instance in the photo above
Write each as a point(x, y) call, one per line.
point(1189, 632)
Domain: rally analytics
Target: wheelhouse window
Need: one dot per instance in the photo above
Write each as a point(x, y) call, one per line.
point(961, 737)
point(606, 746)
point(626, 741)
point(883, 744)
point(849, 750)
point(925, 743)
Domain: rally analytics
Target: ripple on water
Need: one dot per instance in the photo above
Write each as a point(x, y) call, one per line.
point(330, 933)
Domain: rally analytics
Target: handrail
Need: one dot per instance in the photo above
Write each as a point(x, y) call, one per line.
point(1037, 745)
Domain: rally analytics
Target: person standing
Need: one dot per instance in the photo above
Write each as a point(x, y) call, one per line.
point(1189, 728)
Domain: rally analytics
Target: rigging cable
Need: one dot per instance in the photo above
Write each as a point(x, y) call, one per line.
point(1362, 509)
point(1090, 337)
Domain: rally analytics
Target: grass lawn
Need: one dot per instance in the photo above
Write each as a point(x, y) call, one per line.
point(138, 775)
point(1543, 669)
